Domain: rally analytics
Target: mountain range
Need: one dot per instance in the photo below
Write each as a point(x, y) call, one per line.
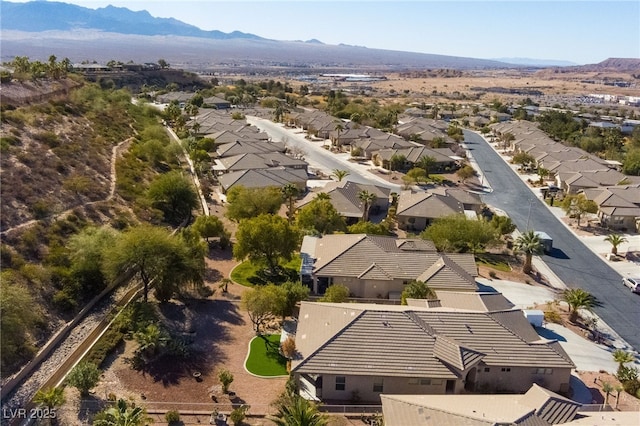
point(38, 29)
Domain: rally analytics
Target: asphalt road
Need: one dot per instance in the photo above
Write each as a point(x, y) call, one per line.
point(318, 157)
point(570, 260)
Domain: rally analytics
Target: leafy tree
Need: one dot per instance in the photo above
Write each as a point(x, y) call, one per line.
point(294, 292)
point(266, 239)
point(503, 224)
point(615, 240)
point(83, 377)
point(381, 228)
point(528, 243)
point(416, 175)
point(543, 173)
point(226, 378)
point(153, 255)
point(122, 414)
point(465, 172)
point(367, 199)
point(577, 298)
point(245, 203)
point(320, 216)
point(459, 234)
point(397, 161)
point(174, 194)
point(336, 293)
point(426, 162)
point(86, 252)
point(150, 339)
point(631, 163)
point(340, 174)
point(163, 63)
point(523, 159)
point(417, 290)
point(19, 318)
point(289, 193)
point(210, 227)
point(576, 205)
point(260, 303)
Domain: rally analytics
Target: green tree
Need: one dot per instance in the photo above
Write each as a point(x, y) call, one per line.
point(417, 290)
point(577, 299)
point(607, 388)
point(340, 174)
point(397, 161)
point(336, 293)
point(265, 239)
point(260, 303)
point(175, 195)
point(19, 314)
point(122, 414)
point(631, 162)
point(576, 205)
point(615, 240)
point(295, 410)
point(290, 193)
point(163, 63)
point(245, 203)
point(523, 159)
point(622, 357)
point(367, 199)
point(210, 227)
point(369, 228)
point(465, 172)
point(321, 217)
point(150, 339)
point(84, 377)
point(528, 243)
point(86, 252)
point(543, 173)
point(294, 292)
point(416, 175)
point(459, 234)
point(426, 162)
point(152, 255)
point(503, 224)
point(226, 378)
point(50, 397)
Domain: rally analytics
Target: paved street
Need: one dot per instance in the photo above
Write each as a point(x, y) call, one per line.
point(318, 157)
point(571, 261)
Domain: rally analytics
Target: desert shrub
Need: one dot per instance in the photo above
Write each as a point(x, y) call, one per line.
point(552, 316)
point(493, 274)
point(289, 347)
point(238, 415)
point(226, 378)
point(48, 138)
point(172, 416)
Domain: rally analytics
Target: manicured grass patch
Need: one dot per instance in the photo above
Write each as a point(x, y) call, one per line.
point(493, 261)
point(249, 273)
point(264, 356)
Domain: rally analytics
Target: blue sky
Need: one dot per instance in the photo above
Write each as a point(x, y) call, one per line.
point(578, 31)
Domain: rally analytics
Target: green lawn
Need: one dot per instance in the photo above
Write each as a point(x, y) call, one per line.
point(264, 356)
point(249, 273)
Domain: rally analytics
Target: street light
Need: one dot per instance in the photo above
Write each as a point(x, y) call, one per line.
point(529, 215)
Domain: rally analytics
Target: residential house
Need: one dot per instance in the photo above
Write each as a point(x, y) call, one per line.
point(216, 103)
point(354, 132)
point(444, 157)
point(417, 210)
point(574, 182)
point(262, 178)
point(257, 161)
point(249, 147)
point(537, 407)
point(345, 198)
point(374, 266)
point(347, 349)
point(618, 206)
point(370, 146)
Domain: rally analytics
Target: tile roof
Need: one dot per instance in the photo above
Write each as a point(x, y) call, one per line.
point(344, 196)
point(427, 204)
point(262, 178)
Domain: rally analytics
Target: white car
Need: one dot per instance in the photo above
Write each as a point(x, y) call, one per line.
point(632, 283)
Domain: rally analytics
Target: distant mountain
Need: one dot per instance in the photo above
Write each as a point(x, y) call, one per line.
point(536, 62)
point(39, 29)
point(38, 16)
point(612, 64)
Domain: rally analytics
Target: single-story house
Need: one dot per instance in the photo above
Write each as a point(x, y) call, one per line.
point(347, 349)
point(262, 178)
point(375, 266)
point(249, 146)
point(257, 161)
point(444, 157)
point(618, 206)
point(417, 210)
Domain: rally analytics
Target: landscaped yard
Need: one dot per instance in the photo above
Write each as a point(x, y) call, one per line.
point(249, 273)
point(264, 356)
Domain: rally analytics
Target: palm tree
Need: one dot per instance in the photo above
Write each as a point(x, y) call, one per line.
point(339, 127)
point(340, 174)
point(528, 243)
point(618, 389)
point(150, 339)
point(577, 298)
point(543, 173)
point(294, 410)
point(367, 199)
point(426, 162)
point(122, 415)
point(323, 196)
point(50, 398)
point(622, 358)
point(615, 240)
point(290, 192)
point(607, 388)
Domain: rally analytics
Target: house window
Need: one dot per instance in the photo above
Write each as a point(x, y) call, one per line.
point(341, 383)
point(378, 384)
point(487, 369)
point(413, 381)
point(548, 371)
point(506, 369)
point(425, 382)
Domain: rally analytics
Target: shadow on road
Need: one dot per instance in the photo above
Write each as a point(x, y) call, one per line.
point(557, 254)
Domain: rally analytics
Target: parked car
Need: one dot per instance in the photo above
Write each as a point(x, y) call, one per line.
point(632, 283)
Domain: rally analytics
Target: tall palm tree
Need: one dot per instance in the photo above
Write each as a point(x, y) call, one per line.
point(426, 162)
point(294, 410)
point(367, 199)
point(528, 243)
point(290, 192)
point(577, 298)
point(615, 240)
point(338, 128)
point(607, 388)
point(340, 174)
point(622, 358)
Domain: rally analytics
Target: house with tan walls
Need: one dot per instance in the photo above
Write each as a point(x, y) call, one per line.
point(350, 351)
point(375, 266)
